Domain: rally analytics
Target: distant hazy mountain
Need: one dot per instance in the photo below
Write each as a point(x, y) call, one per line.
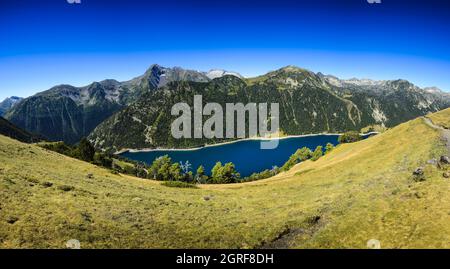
point(8, 129)
point(68, 113)
point(309, 103)
point(218, 73)
point(8, 103)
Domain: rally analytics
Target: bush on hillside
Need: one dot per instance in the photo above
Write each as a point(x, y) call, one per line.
point(86, 150)
point(224, 174)
point(178, 184)
point(318, 152)
point(349, 137)
point(300, 155)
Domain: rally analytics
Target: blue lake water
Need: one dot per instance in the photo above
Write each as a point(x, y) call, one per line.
point(246, 155)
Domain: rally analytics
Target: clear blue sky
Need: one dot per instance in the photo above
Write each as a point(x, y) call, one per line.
point(44, 43)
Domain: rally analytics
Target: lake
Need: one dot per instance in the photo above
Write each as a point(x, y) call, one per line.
point(245, 154)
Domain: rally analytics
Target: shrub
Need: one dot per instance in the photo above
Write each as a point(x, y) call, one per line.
point(261, 175)
point(175, 172)
point(86, 150)
point(47, 184)
point(59, 147)
point(224, 174)
point(349, 137)
point(188, 177)
point(66, 188)
point(328, 148)
point(178, 184)
point(160, 168)
point(300, 155)
point(104, 160)
point(200, 176)
point(129, 170)
point(318, 152)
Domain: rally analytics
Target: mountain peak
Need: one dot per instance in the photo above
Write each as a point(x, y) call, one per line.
point(9, 103)
point(293, 69)
point(217, 73)
point(154, 69)
point(433, 90)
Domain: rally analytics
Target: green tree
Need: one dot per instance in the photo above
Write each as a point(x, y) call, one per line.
point(129, 170)
point(328, 148)
point(223, 174)
point(188, 177)
point(86, 150)
point(349, 137)
point(141, 170)
point(200, 175)
point(175, 172)
point(300, 155)
point(160, 168)
point(318, 152)
point(230, 175)
point(216, 172)
point(104, 160)
point(303, 154)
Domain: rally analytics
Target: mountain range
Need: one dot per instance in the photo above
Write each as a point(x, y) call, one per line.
point(67, 113)
point(309, 103)
point(8, 103)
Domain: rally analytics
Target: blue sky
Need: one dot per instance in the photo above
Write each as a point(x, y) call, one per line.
point(44, 43)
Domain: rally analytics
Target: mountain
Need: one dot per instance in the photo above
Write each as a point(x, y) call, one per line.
point(218, 73)
point(358, 192)
point(389, 102)
point(8, 103)
point(309, 103)
point(8, 129)
point(67, 113)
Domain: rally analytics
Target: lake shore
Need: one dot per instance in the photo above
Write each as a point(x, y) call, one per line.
point(228, 142)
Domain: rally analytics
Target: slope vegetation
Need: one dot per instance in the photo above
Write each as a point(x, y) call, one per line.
point(10, 130)
point(357, 192)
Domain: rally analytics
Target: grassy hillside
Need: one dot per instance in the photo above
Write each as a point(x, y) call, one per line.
point(358, 192)
point(441, 118)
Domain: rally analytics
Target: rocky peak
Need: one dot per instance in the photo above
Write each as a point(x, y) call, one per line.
point(217, 73)
point(9, 103)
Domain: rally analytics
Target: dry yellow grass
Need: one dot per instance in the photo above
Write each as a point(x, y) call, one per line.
point(441, 118)
point(358, 192)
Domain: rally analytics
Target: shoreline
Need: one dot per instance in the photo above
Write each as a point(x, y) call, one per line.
point(122, 151)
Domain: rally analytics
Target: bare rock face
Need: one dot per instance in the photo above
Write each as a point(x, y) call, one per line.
point(9, 103)
point(419, 174)
point(433, 162)
point(419, 171)
point(445, 160)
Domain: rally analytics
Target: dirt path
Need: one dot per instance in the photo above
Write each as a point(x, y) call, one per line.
point(444, 132)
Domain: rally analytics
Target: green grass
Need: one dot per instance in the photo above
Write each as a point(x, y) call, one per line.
point(441, 118)
point(178, 184)
point(359, 191)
